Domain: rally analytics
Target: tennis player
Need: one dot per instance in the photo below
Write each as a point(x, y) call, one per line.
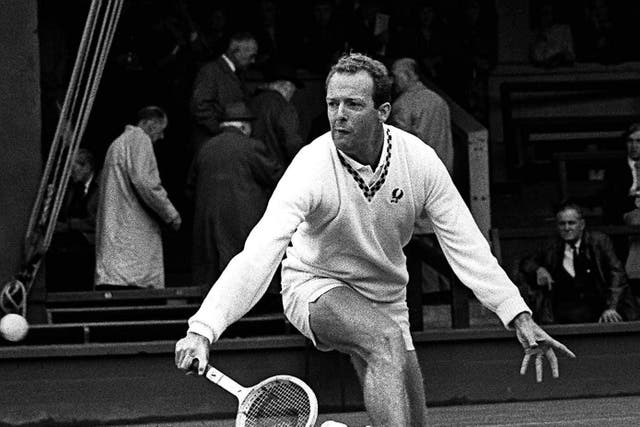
point(342, 212)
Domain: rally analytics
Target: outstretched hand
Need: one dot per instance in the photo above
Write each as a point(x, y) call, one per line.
point(538, 344)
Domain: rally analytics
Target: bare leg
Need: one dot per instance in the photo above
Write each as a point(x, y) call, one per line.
point(417, 396)
point(346, 321)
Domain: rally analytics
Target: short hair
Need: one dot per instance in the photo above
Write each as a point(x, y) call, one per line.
point(354, 62)
point(570, 205)
point(407, 64)
point(240, 36)
point(633, 128)
point(151, 112)
point(84, 155)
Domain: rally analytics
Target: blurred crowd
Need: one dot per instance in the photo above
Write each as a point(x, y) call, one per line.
point(178, 72)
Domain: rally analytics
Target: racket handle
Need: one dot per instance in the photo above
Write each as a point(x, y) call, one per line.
point(193, 368)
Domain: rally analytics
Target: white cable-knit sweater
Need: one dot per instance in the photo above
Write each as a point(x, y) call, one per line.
point(355, 231)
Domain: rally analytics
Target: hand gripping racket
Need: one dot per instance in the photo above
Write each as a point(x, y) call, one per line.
point(281, 400)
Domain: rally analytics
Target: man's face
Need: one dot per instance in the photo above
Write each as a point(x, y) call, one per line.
point(155, 129)
point(633, 146)
point(570, 225)
point(352, 115)
point(80, 171)
point(245, 54)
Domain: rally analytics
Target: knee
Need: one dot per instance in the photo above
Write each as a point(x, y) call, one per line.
point(387, 346)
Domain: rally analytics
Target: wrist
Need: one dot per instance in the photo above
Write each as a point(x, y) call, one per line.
point(521, 319)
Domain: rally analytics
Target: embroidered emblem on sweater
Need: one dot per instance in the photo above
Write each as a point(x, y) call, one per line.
point(369, 192)
point(396, 195)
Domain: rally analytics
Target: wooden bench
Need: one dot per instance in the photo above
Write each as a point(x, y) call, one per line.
point(176, 295)
point(518, 129)
point(137, 315)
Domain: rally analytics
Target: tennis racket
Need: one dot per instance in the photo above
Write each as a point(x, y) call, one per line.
point(281, 400)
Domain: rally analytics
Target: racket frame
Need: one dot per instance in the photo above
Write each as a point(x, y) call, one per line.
point(244, 394)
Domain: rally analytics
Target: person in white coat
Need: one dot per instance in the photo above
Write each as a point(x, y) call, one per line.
point(132, 205)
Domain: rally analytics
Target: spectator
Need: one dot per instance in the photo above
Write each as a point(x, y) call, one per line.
point(218, 83)
point(342, 212)
point(277, 123)
point(552, 45)
point(622, 200)
point(71, 257)
point(577, 276)
point(421, 111)
point(622, 194)
point(132, 201)
point(231, 179)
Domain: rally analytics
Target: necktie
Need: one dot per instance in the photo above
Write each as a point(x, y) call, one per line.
point(579, 266)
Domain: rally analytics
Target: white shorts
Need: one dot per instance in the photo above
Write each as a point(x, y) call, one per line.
point(296, 299)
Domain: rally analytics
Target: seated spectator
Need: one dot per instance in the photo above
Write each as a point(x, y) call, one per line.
point(230, 180)
point(576, 277)
point(622, 199)
point(552, 45)
point(622, 194)
point(132, 205)
point(71, 256)
point(277, 123)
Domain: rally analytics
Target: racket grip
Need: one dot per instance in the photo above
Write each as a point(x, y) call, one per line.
point(193, 368)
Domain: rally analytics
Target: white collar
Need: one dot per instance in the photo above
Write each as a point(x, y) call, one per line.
point(229, 62)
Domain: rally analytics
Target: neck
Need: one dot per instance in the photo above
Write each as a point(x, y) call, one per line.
point(372, 156)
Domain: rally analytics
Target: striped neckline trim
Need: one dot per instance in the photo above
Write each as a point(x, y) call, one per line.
point(369, 191)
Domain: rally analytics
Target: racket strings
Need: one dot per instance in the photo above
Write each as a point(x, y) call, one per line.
point(280, 403)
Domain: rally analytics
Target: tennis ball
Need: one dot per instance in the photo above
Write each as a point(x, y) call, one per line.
point(13, 327)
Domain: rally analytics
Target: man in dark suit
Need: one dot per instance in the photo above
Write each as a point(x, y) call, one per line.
point(219, 83)
point(71, 256)
point(577, 277)
point(277, 123)
point(623, 180)
point(231, 180)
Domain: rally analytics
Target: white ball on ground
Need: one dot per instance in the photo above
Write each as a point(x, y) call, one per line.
point(13, 327)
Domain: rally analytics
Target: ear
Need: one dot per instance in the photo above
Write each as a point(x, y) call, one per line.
point(383, 111)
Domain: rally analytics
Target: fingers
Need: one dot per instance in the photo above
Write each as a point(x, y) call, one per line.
point(191, 355)
point(539, 367)
point(553, 362)
point(557, 345)
point(525, 363)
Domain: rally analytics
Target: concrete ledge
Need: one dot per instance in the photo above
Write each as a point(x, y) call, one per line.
point(129, 382)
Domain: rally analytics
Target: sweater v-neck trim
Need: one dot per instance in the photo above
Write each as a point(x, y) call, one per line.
point(369, 191)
